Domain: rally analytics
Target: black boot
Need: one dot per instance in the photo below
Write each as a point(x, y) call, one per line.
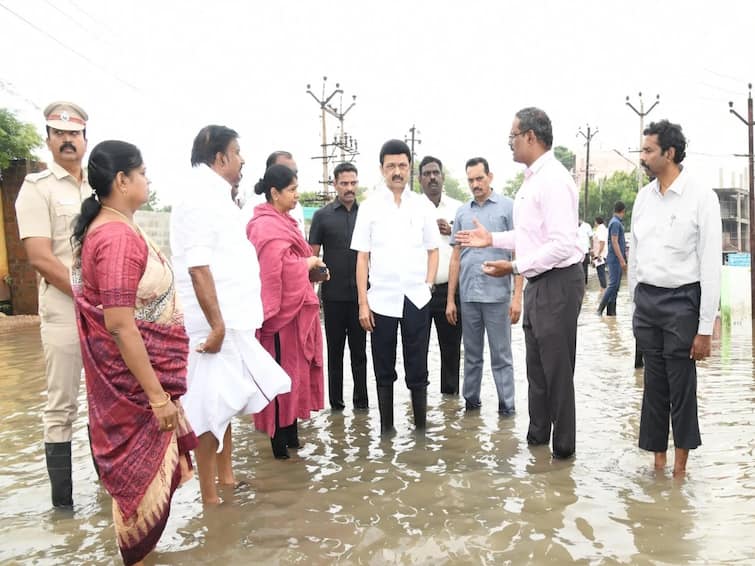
point(58, 456)
point(419, 406)
point(279, 441)
point(94, 462)
point(611, 308)
point(385, 404)
point(292, 431)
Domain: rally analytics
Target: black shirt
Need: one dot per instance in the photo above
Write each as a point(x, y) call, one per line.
point(332, 227)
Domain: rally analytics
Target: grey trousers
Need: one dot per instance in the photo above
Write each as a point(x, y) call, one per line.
point(665, 324)
point(477, 319)
point(552, 302)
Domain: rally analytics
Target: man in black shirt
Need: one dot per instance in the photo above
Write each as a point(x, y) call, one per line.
point(332, 227)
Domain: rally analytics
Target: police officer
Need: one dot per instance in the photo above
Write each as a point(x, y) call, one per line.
point(46, 206)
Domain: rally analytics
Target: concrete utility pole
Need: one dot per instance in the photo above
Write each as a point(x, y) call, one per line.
point(642, 113)
point(749, 124)
point(411, 139)
point(589, 136)
point(347, 144)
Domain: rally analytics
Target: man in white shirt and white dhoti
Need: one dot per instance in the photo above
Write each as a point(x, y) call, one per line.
point(217, 277)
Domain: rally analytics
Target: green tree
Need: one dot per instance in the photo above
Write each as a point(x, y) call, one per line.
point(511, 186)
point(451, 185)
point(17, 139)
point(604, 193)
point(153, 204)
point(565, 156)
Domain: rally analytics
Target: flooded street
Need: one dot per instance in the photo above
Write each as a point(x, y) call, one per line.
point(470, 492)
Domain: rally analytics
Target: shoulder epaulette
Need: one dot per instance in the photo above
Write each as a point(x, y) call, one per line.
point(34, 177)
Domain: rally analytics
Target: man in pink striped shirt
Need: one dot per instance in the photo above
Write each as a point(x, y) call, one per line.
point(549, 256)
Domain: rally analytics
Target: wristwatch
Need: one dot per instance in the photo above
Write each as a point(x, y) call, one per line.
point(514, 268)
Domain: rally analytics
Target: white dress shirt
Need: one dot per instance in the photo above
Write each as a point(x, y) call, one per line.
point(397, 238)
point(676, 240)
point(207, 228)
point(446, 210)
point(584, 233)
point(601, 235)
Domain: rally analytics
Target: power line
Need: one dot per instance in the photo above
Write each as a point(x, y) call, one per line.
point(71, 49)
point(77, 23)
point(723, 76)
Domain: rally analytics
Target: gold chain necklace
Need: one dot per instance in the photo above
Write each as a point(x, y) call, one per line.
point(138, 229)
point(118, 212)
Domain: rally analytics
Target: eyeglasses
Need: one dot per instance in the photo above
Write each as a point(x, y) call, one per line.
point(512, 136)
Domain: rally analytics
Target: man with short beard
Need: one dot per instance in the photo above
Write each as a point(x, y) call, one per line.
point(431, 179)
point(46, 206)
point(332, 227)
point(675, 282)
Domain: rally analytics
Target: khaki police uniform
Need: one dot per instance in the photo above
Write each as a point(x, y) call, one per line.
point(46, 207)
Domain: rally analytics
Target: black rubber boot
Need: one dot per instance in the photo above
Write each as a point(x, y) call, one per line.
point(58, 457)
point(279, 441)
point(292, 431)
point(94, 462)
point(611, 308)
point(419, 406)
point(385, 404)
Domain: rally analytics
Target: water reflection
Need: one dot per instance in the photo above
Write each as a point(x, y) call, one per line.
point(469, 491)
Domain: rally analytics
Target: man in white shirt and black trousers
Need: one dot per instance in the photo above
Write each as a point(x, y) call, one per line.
point(396, 238)
point(675, 279)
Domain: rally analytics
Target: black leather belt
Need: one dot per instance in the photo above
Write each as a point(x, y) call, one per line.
point(544, 274)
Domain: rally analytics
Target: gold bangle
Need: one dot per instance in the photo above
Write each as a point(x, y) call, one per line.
point(161, 404)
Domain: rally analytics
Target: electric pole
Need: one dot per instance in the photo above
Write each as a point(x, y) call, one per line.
point(344, 142)
point(642, 113)
point(589, 136)
point(411, 140)
point(749, 124)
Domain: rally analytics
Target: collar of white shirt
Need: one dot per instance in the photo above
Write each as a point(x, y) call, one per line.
point(677, 186)
point(211, 185)
point(540, 162)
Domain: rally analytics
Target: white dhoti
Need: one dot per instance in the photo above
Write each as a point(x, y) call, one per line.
point(241, 379)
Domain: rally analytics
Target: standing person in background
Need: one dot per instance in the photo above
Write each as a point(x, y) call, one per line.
point(486, 303)
point(46, 206)
point(615, 259)
point(279, 157)
point(291, 328)
point(599, 252)
point(396, 237)
point(218, 279)
point(332, 227)
point(584, 233)
point(548, 255)
point(431, 179)
point(675, 282)
point(134, 348)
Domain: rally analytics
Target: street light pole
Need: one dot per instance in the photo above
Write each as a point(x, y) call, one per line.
point(589, 136)
point(749, 124)
point(411, 140)
point(323, 102)
point(642, 113)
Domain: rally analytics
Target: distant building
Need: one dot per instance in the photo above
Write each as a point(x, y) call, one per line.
point(735, 219)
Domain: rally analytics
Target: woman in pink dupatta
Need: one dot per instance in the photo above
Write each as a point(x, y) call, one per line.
point(134, 349)
point(291, 328)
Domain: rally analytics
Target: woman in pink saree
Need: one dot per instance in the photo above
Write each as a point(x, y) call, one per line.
point(291, 328)
point(134, 349)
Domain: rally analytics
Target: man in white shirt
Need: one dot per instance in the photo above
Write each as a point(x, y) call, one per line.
point(449, 335)
point(675, 281)
point(396, 237)
point(584, 233)
point(217, 278)
point(297, 213)
point(599, 252)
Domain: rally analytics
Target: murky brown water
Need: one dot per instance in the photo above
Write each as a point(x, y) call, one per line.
point(471, 492)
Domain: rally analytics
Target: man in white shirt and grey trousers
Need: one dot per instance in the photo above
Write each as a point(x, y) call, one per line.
point(675, 280)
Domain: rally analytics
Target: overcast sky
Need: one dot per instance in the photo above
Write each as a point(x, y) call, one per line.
point(153, 73)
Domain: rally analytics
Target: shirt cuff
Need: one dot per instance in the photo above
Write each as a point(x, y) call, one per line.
point(705, 327)
point(198, 256)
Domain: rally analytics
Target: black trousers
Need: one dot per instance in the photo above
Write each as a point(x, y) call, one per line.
point(665, 324)
point(586, 265)
point(342, 322)
point(414, 334)
point(552, 302)
point(449, 339)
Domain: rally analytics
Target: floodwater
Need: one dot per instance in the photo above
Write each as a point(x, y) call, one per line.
point(470, 492)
